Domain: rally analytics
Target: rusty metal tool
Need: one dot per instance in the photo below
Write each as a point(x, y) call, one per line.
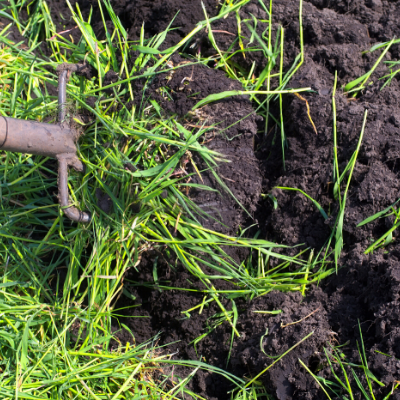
point(50, 140)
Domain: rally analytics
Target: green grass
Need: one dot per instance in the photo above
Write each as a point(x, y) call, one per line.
point(360, 83)
point(40, 357)
point(387, 237)
point(350, 380)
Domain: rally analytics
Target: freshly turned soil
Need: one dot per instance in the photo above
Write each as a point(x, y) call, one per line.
point(231, 138)
point(366, 289)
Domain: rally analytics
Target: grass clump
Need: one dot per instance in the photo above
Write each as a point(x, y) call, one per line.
point(387, 237)
point(350, 380)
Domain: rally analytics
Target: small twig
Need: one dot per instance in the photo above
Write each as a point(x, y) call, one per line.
point(308, 112)
point(300, 320)
point(199, 126)
point(179, 171)
point(231, 180)
point(15, 202)
point(218, 31)
point(209, 140)
point(270, 130)
point(59, 33)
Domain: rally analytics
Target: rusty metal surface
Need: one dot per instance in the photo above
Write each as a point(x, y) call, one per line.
point(35, 138)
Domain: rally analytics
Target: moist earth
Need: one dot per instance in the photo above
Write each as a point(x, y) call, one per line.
point(366, 289)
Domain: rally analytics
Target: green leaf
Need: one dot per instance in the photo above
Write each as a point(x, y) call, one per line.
point(316, 204)
point(363, 79)
point(373, 377)
point(216, 97)
point(377, 215)
point(8, 16)
point(129, 295)
point(356, 82)
point(115, 19)
point(8, 337)
point(272, 312)
point(24, 346)
point(23, 395)
point(262, 43)
point(152, 171)
point(150, 50)
point(380, 45)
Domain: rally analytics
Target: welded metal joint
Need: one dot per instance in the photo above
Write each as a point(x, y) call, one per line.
point(50, 140)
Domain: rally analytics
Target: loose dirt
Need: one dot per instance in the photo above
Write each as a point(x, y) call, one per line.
point(366, 288)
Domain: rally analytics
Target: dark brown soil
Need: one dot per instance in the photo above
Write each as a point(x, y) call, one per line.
point(232, 138)
point(366, 288)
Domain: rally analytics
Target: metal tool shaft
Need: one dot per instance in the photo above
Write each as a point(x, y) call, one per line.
point(35, 138)
point(62, 95)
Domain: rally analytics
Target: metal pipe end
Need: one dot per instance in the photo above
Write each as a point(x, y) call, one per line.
point(76, 215)
point(68, 67)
